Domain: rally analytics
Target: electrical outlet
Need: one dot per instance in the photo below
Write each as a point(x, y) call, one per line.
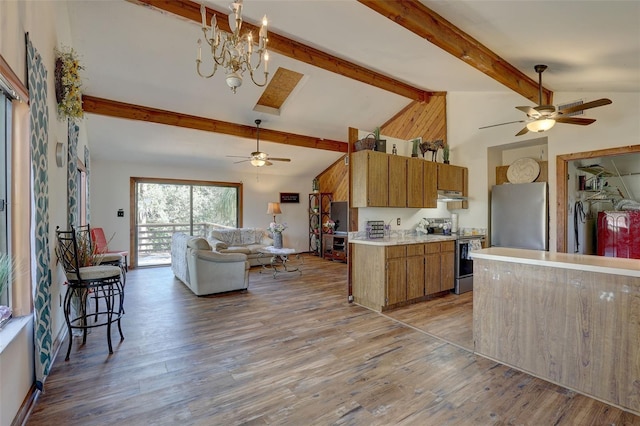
point(398, 221)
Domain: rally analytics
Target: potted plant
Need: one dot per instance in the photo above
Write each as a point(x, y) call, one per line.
point(381, 144)
point(445, 154)
point(416, 146)
point(7, 267)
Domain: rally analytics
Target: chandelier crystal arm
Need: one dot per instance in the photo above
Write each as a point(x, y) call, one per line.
point(234, 51)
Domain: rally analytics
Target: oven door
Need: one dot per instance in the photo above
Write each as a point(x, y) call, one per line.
point(464, 264)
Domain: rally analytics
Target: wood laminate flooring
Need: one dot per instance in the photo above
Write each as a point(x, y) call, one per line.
point(292, 351)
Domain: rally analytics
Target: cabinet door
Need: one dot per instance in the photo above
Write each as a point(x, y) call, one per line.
point(415, 277)
point(396, 280)
point(377, 179)
point(447, 269)
point(432, 273)
point(450, 178)
point(430, 188)
point(415, 183)
point(397, 181)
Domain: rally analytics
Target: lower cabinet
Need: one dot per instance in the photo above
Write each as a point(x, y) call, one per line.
point(384, 277)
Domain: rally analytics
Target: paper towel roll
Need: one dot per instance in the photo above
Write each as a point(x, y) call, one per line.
point(454, 222)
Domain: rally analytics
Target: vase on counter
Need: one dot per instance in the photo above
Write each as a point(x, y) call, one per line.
point(277, 240)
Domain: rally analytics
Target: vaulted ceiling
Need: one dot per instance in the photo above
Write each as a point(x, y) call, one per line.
point(361, 63)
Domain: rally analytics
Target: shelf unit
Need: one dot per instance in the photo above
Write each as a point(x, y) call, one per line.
point(319, 213)
point(335, 247)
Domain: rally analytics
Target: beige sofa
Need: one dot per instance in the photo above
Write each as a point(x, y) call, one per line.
point(240, 240)
point(205, 271)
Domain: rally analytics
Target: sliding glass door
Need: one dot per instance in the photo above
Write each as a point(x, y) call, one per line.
point(163, 207)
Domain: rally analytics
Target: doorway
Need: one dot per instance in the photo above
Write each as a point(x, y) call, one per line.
point(162, 207)
point(562, 197)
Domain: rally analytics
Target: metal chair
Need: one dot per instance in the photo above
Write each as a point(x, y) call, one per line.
point(101, 281)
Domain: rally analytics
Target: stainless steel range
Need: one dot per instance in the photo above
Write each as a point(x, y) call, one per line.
point(465, 244)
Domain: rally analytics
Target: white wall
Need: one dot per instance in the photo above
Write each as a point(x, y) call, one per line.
point(110, 192)
point(48, 26)
point(617, 125)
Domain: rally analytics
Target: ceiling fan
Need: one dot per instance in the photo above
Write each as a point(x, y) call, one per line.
point(544, 117)
point(258, 158)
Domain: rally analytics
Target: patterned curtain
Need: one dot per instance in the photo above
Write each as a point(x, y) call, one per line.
point(72, 175)
point(87, 166)
point(39, 120)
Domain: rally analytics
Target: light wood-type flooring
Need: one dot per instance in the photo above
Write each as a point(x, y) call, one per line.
point(292, 351)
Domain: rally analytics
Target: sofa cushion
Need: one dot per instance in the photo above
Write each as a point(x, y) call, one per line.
point(198, 244)
point(236, 249)
point(229, 236)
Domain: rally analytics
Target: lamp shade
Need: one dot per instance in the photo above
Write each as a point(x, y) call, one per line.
point(541, 125)
point(274, 209)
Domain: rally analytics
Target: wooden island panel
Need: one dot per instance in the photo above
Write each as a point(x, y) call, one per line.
point(579, 329)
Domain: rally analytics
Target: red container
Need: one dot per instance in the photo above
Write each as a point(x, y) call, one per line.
point(619, 234)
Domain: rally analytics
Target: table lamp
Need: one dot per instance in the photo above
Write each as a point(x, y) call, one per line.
point(274, 209)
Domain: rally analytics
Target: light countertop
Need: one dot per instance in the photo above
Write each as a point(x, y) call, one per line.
point(582, 262)
point(403, 240)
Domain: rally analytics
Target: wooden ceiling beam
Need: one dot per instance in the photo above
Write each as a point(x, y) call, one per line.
point(426, 23)
point(296, 50)
point(110, 108)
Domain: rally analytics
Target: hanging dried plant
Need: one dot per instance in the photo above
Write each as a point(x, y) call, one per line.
point(68, 83)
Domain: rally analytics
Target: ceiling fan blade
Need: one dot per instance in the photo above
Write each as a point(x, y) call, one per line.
point(523, 131)
point(582, 107)
point(278, 159)
point(502, 124)
point(268, 163)
point(528, 110)
point(575, 120)
point(241, 161)
point(237, 156)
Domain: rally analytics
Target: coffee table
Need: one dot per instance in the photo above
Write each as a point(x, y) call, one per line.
point(279, 260)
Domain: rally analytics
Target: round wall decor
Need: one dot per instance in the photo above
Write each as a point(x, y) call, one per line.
point(523, 170)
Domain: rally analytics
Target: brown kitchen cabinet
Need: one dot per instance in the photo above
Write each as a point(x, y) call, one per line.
point(439, 266)
point(397, 181)
point(422, 179)
point(384, 277)
point(370, 179)
point(383, 180)
point(454, 178)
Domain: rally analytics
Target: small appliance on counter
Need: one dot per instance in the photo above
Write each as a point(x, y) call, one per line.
point(375, 229)
point(439, 225)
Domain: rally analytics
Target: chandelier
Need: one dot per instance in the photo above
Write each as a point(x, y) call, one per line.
point(232, 51)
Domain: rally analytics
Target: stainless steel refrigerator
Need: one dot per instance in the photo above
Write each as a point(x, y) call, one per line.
point(520, 216)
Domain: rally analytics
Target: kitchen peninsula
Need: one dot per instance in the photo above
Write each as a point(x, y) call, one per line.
point(391, 272)
point(567, 318)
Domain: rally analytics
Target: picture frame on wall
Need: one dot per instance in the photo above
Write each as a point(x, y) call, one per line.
point(289, 197)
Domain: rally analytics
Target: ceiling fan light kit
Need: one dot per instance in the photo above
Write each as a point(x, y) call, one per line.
point(232, 51)
point(543, 117)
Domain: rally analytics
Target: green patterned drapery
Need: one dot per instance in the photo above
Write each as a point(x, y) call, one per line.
point(39, 121)
point(72, 175)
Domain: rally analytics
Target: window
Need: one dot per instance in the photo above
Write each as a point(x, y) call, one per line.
point(164, 206)
point(5, 183)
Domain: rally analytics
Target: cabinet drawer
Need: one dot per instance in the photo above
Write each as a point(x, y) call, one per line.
point(396, 251)
point(415, 249)
point(432, 248)
point(448, 246)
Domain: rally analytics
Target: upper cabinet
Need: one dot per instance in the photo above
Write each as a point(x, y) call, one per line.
point(454, 178)
point(451, 178)
point(383, 180)
point(370, 179)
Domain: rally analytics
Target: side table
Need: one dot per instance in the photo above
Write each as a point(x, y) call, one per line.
point(279, 260)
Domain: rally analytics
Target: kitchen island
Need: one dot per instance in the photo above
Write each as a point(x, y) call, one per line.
point(571, 319)
point(391, 272)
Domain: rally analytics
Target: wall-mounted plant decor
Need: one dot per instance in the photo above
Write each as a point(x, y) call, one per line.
point(68, 84)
